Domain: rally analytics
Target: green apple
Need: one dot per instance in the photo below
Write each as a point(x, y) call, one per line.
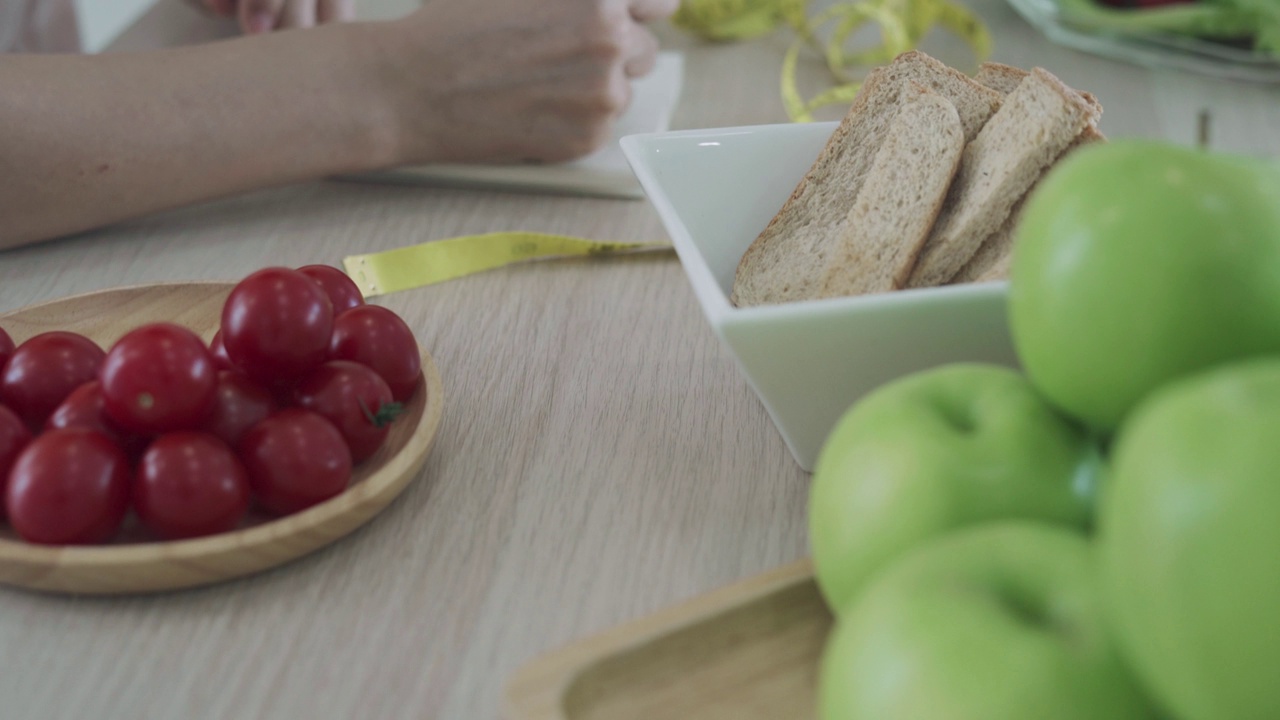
point(1138, 262)
point(933, 451)
point(1189, 531)
point(1001, 621)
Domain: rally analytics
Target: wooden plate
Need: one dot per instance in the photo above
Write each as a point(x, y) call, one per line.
point(749, 651)
point(135, 564)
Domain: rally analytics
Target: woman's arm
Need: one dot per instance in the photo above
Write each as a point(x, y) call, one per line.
point(88, 141)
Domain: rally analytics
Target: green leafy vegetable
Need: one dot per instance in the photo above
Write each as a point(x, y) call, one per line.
point(1254, 20)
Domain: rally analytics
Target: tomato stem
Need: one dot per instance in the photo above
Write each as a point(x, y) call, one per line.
point(387, 412)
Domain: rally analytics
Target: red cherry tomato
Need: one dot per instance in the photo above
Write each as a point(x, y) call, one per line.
point(238, 405)
point(355, 399)
point(6, 348)
point(158, 378)
point(190, 484)
point(295, 459)
point(373, 335)
point(14, 436)
point(218, 352)
point(86, 407)
point(342, 290)
point(44, 370)
point(68, 486)
point(276, 325)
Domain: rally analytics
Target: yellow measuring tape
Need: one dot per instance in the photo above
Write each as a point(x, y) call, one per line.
point(903, 24)
point(432, 262)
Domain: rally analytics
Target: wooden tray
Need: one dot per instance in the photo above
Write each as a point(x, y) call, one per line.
point(134, 563)
point(744, 652)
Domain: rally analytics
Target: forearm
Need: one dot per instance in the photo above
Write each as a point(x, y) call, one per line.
point(87, 141)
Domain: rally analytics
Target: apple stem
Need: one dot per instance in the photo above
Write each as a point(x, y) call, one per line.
point(1202, 130)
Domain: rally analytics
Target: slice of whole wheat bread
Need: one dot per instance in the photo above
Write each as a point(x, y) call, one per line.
point(902, 194)
point(1004, 79)
point(992, 260)
point(1036, 123)
point(786, 261)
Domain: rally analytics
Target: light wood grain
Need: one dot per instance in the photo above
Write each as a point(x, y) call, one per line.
point(750, 651)
point(601, 457)
point(135, 563)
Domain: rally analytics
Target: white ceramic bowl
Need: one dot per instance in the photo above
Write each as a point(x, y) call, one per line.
point(715, 190)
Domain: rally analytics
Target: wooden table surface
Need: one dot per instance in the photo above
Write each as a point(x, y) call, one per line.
point(601, 456)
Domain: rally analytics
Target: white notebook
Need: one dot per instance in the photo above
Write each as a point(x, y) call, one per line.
point(604, 173)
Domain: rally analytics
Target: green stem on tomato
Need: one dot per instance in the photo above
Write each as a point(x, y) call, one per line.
point(386, 413)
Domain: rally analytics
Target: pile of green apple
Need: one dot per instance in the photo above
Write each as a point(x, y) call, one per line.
point(1096, 536)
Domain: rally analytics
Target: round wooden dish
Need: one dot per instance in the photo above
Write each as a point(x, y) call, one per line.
point(134, 563)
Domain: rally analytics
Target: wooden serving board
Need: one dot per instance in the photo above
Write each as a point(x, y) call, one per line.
point(744, 652)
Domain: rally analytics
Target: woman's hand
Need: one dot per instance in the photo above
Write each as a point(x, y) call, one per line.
point(261, 16)
point(514, 80)
point(96, 139)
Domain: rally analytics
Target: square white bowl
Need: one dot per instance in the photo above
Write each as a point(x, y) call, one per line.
point(715, 190)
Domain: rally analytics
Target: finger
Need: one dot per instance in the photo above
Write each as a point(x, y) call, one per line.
point(642, 52)
point(650, 10)
point(336, 11)
point(260, 16)
point(299, 14)
point(619, 93)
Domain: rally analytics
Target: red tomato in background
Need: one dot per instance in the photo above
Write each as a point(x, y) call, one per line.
point(355, 399)
point(158, 378)
point(44, 370)
point(239, 403)
point(68, 486)
point(218, 352)
point(374, 336)
point(276, 325)
point(6, 347)
point(190, 484)
point(342, 290)
point(14, 436)
point(86, 407)
point(295, 459)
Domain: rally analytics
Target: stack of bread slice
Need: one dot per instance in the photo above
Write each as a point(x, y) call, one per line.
point(921, 184)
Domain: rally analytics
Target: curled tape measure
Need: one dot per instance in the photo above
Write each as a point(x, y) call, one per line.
point(432, 262)
point(903, 24)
